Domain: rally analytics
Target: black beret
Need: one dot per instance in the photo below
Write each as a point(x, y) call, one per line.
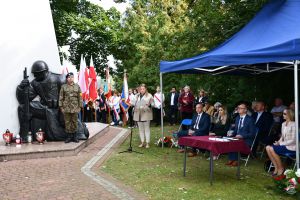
point(69, 74)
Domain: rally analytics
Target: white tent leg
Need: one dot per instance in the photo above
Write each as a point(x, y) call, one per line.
point(161, 110)
point(296, 110)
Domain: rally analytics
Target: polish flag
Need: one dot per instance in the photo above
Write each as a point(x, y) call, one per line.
point(82, 77)
point(92, 81)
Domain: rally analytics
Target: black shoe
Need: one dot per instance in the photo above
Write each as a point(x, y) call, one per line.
point(75, 139)
point(69, 138)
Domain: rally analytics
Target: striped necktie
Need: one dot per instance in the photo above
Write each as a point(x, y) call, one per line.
point(240, 123)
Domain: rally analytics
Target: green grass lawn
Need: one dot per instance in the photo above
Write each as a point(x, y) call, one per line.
point(158, 174)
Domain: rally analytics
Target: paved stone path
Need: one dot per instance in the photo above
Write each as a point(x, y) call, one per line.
point(64, 177)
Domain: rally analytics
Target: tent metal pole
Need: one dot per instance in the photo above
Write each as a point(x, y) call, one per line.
point(161, 110)
point(296, 110)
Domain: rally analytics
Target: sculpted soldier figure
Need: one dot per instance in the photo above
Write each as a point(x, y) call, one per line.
point(70, 103)
point(39, 104)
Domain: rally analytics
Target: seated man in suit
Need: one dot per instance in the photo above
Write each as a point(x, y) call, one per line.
point(200, 126)
point(244, 129)
point(263, 121)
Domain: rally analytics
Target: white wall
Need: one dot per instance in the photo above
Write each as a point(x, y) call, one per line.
point(26, 35)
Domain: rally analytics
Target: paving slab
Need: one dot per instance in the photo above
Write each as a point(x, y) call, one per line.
point(62, 177)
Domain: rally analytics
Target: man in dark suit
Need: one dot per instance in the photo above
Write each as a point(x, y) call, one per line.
point(263, 121)
point(244, 129)
point(173, 106)
point(200, 126)
point(101, 110)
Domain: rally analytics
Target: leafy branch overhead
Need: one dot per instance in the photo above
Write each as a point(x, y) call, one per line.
point(151, 31)
point(87, 29)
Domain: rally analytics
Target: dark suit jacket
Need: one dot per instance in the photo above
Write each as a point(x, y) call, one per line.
point(103, 102)
point(247, 131)
point(203, 100)
point(264, 123)
point(175, 98)
point(204, 124)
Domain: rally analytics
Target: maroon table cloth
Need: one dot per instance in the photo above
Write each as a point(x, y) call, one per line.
point(217, 147)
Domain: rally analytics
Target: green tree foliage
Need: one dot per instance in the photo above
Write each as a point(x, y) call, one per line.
point(173, 30)
point(88, 29)
point(152, 30)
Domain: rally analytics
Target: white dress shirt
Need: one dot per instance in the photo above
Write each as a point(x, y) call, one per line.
point(241, 121)
point(115, 102)
point(172, 99)
point(157, 100)
point(132, 99)
point(258, 116)
point(196, 126)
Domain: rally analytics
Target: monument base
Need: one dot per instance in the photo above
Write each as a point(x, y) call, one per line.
point(51, 149)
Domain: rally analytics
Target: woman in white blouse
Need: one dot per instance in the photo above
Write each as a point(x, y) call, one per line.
point(286, 143)
point(114, 104)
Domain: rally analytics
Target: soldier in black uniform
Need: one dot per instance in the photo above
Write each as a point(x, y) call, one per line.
point(44, 111)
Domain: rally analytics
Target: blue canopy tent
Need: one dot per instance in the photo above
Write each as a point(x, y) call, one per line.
point(269, 42)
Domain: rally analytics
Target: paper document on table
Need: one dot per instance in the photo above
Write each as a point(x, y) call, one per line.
point(230, 138)
point(219, 139)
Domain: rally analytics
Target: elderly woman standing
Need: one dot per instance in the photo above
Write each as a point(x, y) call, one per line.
point(143, 114)
point(286, 144)
point(186, 101)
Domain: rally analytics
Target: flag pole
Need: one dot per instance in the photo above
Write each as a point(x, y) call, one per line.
point(95, 111)
point(296, 110)
point(124, 110)
point(161, 111)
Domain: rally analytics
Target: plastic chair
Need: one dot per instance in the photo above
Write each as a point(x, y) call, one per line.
point(248, 157)
point(185, 122)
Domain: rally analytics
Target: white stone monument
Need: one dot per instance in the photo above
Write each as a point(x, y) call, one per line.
point(26, 35)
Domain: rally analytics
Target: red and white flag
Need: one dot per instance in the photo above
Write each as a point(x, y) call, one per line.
point(82, 82)
point(92, 81)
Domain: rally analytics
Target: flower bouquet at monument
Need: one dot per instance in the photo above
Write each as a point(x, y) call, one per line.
point(167, 141)
point(288, 182)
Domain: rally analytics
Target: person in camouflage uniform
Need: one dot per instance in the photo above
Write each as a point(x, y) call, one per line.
point(70, 103)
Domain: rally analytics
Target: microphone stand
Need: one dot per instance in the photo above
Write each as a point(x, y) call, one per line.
point(130, 150)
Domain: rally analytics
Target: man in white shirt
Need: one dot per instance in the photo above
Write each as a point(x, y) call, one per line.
point(277, 110)
point(173, 106)
point(158, 103)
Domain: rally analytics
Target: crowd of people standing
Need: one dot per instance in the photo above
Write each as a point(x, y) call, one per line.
point(275, 128)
